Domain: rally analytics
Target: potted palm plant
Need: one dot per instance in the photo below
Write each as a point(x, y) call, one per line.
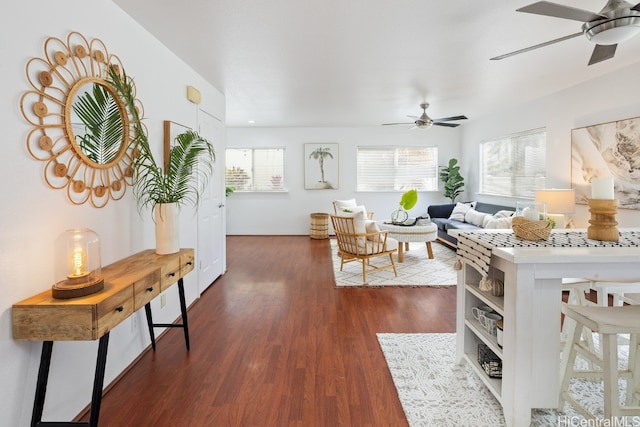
point(165, 190)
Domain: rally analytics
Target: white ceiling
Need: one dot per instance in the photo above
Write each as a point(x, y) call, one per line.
point(367, 62)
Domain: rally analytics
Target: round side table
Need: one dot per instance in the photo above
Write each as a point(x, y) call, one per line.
point(415, 233)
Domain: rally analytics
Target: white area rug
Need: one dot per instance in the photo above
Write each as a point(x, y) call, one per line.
point(434, 391)
point(416, 270)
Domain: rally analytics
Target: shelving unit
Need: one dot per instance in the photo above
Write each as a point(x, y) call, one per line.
point(531, 308)
point(475, 334)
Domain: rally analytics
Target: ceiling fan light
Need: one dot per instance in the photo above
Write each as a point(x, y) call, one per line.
point(613, 31)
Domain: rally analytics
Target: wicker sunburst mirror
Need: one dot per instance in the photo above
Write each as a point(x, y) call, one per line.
point(81, 128)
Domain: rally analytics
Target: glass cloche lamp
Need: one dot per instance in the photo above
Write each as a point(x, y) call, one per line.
point(77, 264)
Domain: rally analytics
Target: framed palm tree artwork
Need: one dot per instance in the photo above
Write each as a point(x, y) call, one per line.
point(321, 166)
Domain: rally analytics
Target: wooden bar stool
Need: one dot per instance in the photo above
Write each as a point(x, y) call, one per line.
point(609, 322)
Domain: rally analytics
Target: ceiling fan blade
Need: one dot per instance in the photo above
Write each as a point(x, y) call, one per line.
point(527, 49)
point(560, 11)
point(602, 53)
point(413, 117)
point(393, 124)
point(449, 125)
point(448, 119)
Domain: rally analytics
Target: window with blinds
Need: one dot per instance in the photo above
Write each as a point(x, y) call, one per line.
point(397, 168)
point(514, 165)
point(255, 169)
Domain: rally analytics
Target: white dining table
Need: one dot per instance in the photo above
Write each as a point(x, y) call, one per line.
point(532, 306)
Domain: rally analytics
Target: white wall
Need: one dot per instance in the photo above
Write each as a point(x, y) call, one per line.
point(608, 98)
point(612, 97)
point(288, 213)
point(33, 215)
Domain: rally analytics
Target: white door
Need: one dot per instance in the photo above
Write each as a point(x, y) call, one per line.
point(211, 238)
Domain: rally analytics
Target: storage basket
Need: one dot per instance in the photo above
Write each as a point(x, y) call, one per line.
point(489, 361)
point(319, 226)
point(531, 230)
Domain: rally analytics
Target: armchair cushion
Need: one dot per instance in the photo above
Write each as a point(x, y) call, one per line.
point(339, 204)
point(359, 214)
point(372, 226)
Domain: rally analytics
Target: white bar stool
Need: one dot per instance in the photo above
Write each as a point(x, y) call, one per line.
point(577, 289)
point(609, 322)
point(615, 288)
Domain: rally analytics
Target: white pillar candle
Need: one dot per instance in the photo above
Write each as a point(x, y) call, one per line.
point(602, 188)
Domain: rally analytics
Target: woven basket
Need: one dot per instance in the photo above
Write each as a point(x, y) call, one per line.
point(531, 230)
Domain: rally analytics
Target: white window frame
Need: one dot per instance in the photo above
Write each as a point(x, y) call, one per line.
point(524, 153)
point(398, 171)
point(262, 177)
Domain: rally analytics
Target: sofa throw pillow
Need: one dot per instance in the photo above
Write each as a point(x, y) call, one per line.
point(475, 217)
point(503, 214)
point(459, 211)
point(499, 223)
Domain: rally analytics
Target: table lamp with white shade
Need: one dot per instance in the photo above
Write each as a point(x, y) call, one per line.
point(560, 202)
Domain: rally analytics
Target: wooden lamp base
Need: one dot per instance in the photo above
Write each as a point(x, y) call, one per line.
point(67, 290)
point(603, 220)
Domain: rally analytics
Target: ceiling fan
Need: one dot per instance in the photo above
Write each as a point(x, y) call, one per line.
point(425, 121)
point(618, 21)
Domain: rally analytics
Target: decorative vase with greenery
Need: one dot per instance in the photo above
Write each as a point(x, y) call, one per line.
point(407, 202)
point(453, 181)
point(187, 172)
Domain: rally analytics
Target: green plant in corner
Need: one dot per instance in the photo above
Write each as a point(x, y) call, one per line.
point(189, 166)
point(453, 181)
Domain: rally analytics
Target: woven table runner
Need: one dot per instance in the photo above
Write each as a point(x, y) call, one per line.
point(474, 248)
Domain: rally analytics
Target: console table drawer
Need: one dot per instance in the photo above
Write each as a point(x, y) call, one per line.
point(187, 262)
point(146, 289)
point(43, 318)
point(170, 273)
point(113, 310)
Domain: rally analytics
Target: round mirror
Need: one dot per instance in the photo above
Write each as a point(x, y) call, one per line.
point(81, 128)
point(96, 122)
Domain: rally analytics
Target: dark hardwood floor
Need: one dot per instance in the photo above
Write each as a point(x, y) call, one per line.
point(274, 343)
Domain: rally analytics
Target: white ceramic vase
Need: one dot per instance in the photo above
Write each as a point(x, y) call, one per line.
point(167, 228)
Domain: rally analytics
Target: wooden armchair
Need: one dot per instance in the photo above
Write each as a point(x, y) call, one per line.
point(354, 246)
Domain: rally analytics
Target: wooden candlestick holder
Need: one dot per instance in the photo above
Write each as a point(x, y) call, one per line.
point(603, 220)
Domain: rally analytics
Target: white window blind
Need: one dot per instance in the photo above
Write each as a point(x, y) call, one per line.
point(397, 168)
point(255, 169)
point(514, 165)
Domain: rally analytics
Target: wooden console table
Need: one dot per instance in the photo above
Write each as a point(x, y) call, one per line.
point(129, 284)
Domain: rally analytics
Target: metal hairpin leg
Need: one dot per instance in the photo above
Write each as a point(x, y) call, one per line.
point(184, 325)
point(43, 378)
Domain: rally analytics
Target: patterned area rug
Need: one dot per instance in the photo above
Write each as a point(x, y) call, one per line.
point(416, 270)
point(434, 391)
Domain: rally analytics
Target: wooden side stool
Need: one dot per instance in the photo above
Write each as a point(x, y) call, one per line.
point(609, 322)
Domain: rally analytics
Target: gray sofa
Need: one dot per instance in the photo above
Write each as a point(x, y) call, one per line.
point(440, 217)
